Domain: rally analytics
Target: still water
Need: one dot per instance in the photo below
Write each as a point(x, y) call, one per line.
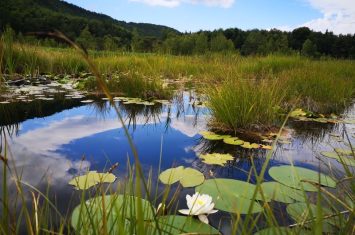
point(56, 139)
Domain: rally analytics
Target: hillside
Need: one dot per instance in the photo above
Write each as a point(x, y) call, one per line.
point(45, 15)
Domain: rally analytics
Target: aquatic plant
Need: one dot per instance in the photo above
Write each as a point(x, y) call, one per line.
point(200, 205)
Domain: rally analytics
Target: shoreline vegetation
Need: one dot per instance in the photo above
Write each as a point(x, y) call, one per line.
point(262, 88)
point(241, 92)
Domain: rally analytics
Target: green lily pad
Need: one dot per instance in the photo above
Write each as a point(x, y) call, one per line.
point(342, 159)
point(175, 224)
point(301, 212)
point(230, 195)
point(86, 101)
point(281, 193)
point(343, 151)
point(118, 211)
point(209, 135)
point(298, 113)
point(216, 158)
point(282, 231)
point(295, 177)
point(330, 154)
point(188, 177)
point(349, 121)
point(233, 141)
point(90, 179)
point(346, 161)
point(248, 145)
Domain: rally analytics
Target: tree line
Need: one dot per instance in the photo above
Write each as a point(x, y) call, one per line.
point(253, 42)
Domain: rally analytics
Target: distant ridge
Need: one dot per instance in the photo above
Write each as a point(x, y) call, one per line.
point(46, 15)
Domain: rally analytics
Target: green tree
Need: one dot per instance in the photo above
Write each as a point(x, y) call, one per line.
point(86, 39)
point(255, 43)
point(201, 43)
point(220, 43)
point(309, 48)
point(109, 43)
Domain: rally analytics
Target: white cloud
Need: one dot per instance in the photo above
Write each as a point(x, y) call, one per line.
point(175, 3)
point(338, 16)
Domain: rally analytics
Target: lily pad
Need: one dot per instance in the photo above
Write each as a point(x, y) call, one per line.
point(301, 212)
point(343, 151)
point(216, 158)
point(281, 193)
point(282, 231)
point(296, 177)
point(86, 101)
point(231, 195)
point(175, 224)
point(248, 145)
point(118, 211)
point(90, 179)
point(340, 158)
point(209, 135)
point(233, 141)
point(188, 177)
point(298, 113)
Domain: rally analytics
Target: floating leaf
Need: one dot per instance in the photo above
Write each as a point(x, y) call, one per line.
point(118, 209)
point(340, 158)
point(188, 177)
point(233, 141)
point(216, 158)
point(343, 151)
point(267, 147)
point(296, 177)
point(282, 231)
point(281, 193)
point(86, 101)
point(298, 113)
point(349, 121)
point(90, 179)
point(231, 195)
point(175, 224)
point(302, 212)
point(248, 145)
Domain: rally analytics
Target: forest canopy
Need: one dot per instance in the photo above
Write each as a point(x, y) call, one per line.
point(101, 32)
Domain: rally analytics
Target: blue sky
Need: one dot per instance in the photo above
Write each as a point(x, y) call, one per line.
point(193, 15)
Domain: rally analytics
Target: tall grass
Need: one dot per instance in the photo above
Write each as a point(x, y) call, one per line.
point(243, 103)
point(234, 103)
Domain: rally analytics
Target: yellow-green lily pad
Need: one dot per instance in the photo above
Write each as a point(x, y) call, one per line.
point(233, 141)
point(90, 179)
point(216, 158)
point(188, 177)
point(297, 177)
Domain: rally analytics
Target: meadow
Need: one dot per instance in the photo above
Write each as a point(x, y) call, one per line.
point(241, 94)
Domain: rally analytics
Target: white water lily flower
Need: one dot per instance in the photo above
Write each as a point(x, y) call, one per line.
point(200, 205)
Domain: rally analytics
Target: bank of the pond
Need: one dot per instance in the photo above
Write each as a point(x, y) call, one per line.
point(241, 91)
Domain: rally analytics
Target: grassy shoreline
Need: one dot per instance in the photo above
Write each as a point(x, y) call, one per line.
point(281, 83)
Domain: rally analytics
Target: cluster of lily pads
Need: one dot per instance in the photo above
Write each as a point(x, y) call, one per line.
point(45, 92)
point(228, 139)
point(240, 197)
point(138, 101)
point(301, 115)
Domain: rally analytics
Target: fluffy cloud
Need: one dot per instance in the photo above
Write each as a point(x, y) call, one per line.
point(175, 3)
point(338, 16)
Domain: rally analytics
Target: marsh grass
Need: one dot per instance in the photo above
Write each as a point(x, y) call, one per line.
point(243, 103)
point(234, 103)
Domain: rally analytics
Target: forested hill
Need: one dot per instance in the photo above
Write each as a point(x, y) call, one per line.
point(44, 15)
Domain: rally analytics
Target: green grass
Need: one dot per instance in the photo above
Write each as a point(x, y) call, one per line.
point(243, 103)
point(252, 101)
point(272, 82)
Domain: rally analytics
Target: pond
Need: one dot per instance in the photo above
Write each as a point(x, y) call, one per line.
point(52, 136)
